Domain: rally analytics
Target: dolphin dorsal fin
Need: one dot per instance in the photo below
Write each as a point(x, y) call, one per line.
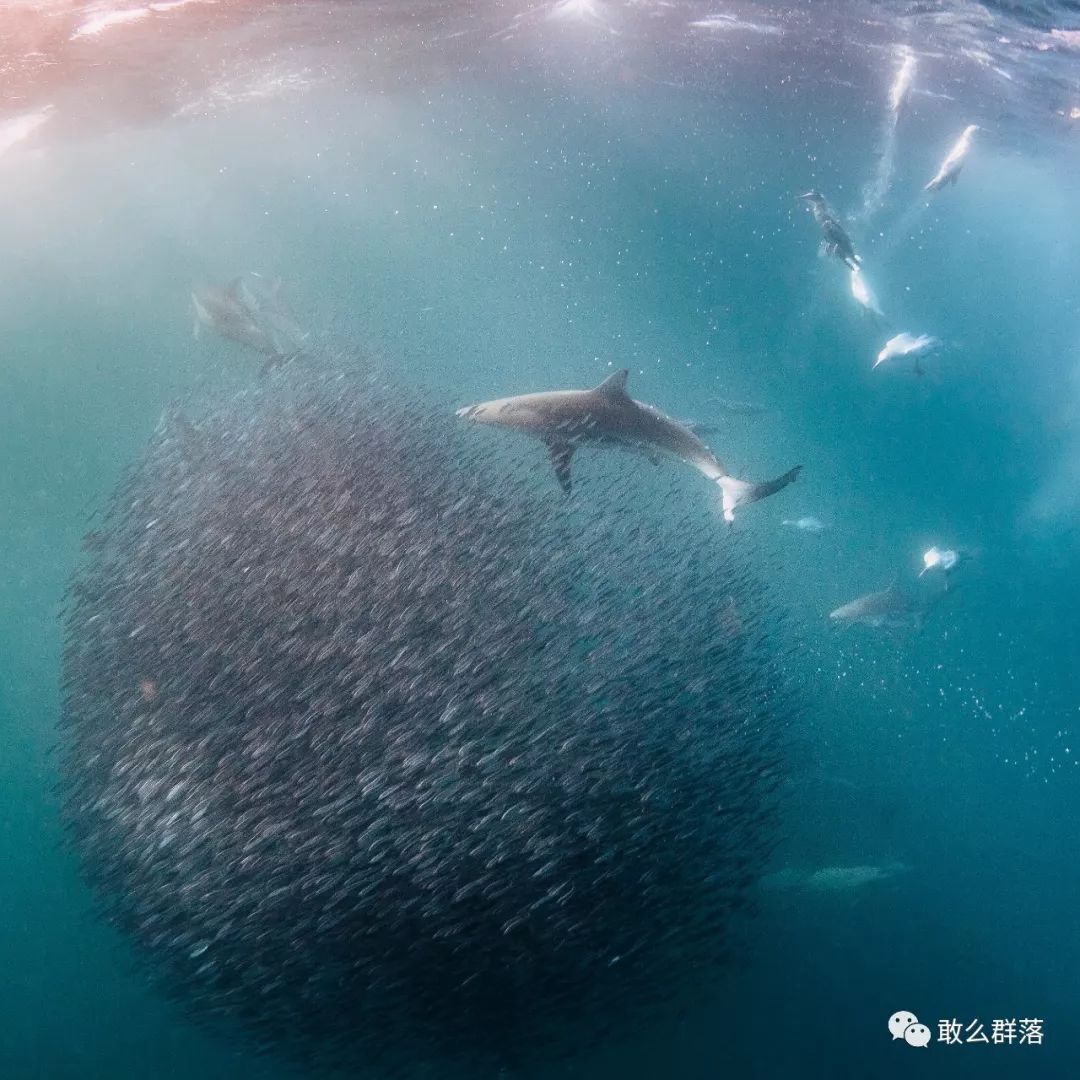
point(614, 385)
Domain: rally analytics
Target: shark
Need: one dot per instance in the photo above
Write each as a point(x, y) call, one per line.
point(892, 608)
point(286, 334)
point(830, 879)
point(954, 161)
point(607, 415)
point(232, 312)
point(254, 319)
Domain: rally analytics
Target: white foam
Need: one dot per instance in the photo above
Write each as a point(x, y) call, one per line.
point(21, 127)
point(730, 22)
point(106, 18)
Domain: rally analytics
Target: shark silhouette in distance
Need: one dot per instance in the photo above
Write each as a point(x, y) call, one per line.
point(237, 314)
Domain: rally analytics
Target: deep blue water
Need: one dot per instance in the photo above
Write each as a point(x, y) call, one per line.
point(503, 200)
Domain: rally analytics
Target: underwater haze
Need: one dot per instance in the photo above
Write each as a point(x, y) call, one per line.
point(868, 678)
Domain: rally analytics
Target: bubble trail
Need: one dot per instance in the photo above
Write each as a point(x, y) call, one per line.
point(877, 189)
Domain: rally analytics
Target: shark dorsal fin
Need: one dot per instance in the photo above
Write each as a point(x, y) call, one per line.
point(614, 386)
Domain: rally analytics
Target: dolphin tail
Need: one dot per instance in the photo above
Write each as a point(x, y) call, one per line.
point(740, 492)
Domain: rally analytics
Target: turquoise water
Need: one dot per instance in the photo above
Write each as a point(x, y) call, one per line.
point(498, 202)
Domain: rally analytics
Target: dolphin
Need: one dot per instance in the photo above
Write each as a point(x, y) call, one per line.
point(906, 344)
point(891, 608)
point(232, 312)
point(608, 416)
point(837, 241)
point(954, 161)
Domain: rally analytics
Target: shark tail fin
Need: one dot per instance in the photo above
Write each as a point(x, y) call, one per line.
point(740, 492)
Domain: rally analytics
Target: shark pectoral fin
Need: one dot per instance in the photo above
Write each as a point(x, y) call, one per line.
point(561, 453)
